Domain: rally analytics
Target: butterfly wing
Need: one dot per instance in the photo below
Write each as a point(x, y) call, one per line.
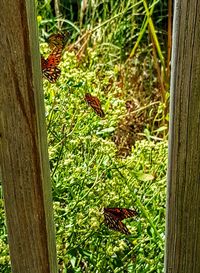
point(49, 66)
point(51, 74)
point(121, 213)
point(55, 57)
point(115, 223)
point(95, 103)
point(58, 39)
point(43, 62)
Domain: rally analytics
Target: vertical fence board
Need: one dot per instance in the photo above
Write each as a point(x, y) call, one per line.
point(23, 148)
point(183, 213)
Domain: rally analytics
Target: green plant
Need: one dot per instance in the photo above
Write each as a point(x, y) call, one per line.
point(88, 176)
point(86, 173)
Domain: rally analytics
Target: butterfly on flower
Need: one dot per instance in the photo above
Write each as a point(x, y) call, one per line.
point(49, 66)
point(95, 103)
point(113, 218)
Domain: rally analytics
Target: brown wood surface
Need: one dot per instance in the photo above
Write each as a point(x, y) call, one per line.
point(23, 147)
point(183, 219)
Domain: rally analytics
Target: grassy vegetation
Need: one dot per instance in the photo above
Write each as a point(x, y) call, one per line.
point(91, 168)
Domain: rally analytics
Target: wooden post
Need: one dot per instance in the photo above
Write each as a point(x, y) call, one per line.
point(183, 213)
point(23, 146)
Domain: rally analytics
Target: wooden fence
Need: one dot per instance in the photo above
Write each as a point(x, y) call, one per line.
point(23, 143)
point(183, 210)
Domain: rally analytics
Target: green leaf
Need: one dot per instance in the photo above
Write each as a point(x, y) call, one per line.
point(146, 177)
point(106, 130)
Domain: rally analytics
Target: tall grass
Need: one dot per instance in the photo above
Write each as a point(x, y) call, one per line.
point(127, 30)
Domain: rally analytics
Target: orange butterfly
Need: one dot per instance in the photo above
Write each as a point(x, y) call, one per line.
point(49, 66)
point(95, 103)
point(113, 218)
point(58, 40)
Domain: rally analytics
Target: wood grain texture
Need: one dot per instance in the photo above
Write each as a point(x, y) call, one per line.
point(183, 204)
point(23, 146)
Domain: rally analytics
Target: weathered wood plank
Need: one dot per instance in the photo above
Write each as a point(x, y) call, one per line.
point(23, 146)
point(183, 219)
